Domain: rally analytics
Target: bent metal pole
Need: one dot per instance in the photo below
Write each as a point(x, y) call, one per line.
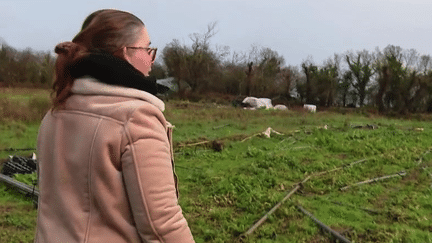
point(19, 185)
point(323, 226)
point(264, 218)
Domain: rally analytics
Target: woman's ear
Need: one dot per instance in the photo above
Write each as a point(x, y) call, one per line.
point(123, 54)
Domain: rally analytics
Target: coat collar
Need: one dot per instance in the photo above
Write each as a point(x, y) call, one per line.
point(91, 86)
point(112, 70)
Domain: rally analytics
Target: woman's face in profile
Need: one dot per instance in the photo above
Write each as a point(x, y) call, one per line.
point(139, 54)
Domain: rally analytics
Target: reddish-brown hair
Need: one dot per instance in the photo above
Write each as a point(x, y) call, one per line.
point(103, 31)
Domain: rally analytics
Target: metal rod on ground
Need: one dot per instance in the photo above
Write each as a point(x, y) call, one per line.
point(323, 226)
point(18, 149)
point(22, 186)
point(264, 218)
point(221, 126)
point(250, 137)
point(402, 173)
point(339, 168)
point(194, 144)
point(421, 157)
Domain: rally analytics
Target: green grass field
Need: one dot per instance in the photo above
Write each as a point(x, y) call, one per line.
point(223, 193)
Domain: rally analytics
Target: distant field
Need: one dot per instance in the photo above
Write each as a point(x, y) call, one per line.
point(224, 193)
point(23, 105)
point(23, 93)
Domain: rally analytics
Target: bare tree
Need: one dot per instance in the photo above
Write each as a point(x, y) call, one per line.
point(175, 59)
point(287, 77)
point(263, 67)
point(308, 69)
point(345, 86)
point(361, 66)
point(424, 64)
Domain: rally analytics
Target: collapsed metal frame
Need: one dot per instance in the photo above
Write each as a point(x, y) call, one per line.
point(22, 187)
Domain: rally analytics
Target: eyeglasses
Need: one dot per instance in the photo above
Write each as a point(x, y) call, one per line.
point(150, 50)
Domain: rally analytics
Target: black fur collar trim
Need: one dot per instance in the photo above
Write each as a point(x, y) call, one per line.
point(115, 71)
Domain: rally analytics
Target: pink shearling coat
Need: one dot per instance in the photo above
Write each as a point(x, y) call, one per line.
point(106, 169)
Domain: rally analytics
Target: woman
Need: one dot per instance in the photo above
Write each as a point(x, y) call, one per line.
point(104, 149)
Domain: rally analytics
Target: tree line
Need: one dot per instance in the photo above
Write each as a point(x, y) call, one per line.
point(27, 68)
point(391, 80)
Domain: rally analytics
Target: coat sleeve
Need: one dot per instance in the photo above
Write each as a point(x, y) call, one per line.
point(149, 179)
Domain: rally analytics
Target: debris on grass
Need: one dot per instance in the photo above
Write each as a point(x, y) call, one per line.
point(266, 134)
point(221, 126)
point(194, 144)
point(19, 165)
point(418, 129)
point(402, 173)
point(21, 187)
point(290, 193)
point(264, 218)
point(18, 149)
point(339, 168)
point(19, 173)
point(422, 156)
point(334, 233)
point(216, 145)
point(368, 126)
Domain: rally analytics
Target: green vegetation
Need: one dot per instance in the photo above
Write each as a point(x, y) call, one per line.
point(224, 193)
point(18, 216)
point(20, 113)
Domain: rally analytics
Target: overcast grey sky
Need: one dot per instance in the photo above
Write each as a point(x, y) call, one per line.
point(295, 29)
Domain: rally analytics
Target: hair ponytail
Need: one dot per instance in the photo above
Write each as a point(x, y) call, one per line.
point(106, 31)
point(68, 53)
